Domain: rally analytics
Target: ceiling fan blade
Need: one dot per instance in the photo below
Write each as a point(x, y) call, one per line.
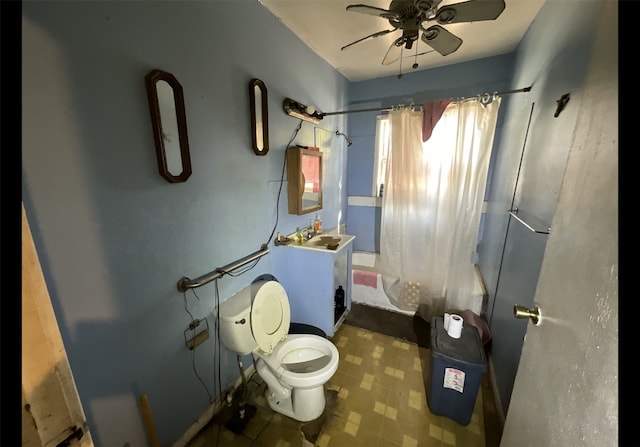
point(470, 11)
point(372, 36)
point(441, 40)
point(372, 10)
point(394, 52)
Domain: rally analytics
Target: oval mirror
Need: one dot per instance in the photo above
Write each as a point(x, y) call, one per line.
point(168, 119)
point(259, 117)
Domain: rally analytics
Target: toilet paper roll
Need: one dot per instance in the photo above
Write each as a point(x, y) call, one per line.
point(455, 326)
point(447, 317)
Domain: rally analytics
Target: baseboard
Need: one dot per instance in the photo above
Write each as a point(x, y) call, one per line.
point(496, 395)
point(206, 417)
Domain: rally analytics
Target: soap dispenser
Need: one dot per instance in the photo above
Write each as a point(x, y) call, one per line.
point(317, 226)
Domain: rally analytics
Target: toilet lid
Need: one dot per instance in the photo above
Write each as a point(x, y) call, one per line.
point(270, 315)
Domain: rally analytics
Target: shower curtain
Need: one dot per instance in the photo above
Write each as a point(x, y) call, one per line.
point(432, 205)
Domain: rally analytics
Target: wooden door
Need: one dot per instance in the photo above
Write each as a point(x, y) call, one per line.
point(51, 408)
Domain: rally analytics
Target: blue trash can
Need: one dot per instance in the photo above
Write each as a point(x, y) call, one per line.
point(457, 365)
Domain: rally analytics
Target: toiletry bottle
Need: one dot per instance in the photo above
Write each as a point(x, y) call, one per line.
point(318, 224)
point(339, 300)
point(299, 235)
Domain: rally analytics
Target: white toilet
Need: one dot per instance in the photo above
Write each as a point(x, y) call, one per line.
point(294, 367)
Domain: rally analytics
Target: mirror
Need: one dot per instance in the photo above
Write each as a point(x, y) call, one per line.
point(259, 117)
point(304, 172)
point(166, 105)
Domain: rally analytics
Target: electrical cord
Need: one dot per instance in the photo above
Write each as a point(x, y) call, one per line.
point(284, 163)
point(241, 272)
point(216, 354)
point(193, 351)
point(217, 351)
point(245, 270)
point(184, 295)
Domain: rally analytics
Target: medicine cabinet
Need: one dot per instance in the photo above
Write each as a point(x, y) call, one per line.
point(304, 172)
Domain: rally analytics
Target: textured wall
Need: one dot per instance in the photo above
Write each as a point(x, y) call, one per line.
point(113, 236)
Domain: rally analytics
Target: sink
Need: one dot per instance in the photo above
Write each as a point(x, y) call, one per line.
point(328, 241)
point(333, 242)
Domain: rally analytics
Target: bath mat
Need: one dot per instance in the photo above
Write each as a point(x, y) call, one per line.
point(311, 430)
point(411, 328)
point(365, 278)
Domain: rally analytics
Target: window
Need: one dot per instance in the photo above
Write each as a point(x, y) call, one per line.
point(383, 140)
point(443, 161)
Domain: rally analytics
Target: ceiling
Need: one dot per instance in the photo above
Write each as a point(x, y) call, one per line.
point(325, 26)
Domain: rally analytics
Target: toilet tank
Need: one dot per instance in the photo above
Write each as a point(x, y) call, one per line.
point(235, 322)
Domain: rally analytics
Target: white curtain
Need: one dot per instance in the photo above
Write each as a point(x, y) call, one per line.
point(432, 206)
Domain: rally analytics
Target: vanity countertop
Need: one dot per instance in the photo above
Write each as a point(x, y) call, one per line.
point(322, 242)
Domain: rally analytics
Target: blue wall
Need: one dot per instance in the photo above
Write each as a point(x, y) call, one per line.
point(113, 236)
point(453, 81)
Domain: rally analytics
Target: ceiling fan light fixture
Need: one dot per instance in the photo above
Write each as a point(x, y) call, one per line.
point(423, 5)
point(430, 34)
point(446, 15)
point(427, 8)
point(441, 40)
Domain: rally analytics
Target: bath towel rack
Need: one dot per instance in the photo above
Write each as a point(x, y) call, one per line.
point(185, 283)
point(514, 214)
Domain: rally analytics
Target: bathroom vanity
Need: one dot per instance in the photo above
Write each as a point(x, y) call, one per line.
point(311, 274)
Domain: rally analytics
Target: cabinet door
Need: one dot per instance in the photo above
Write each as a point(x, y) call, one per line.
point(309, 285)
point(342, 277)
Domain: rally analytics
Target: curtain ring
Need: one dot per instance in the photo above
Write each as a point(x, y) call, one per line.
point(495, 95)
point(486, 98)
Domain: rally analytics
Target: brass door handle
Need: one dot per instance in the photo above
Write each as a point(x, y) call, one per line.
point(523, 312)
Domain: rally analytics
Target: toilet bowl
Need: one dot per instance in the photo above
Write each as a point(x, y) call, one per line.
point(295, 367)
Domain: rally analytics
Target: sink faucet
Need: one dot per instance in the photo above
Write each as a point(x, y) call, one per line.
point(308, 233)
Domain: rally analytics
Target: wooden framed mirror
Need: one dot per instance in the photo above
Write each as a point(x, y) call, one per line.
point(168, 119)
point(304, 173)
point(259, 117)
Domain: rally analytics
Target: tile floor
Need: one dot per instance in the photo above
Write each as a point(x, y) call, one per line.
point(376, 398)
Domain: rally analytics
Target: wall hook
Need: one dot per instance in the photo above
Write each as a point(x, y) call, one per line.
point(562, 102)
point(349, 141)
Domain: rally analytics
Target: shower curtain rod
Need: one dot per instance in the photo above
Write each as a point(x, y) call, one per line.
point(378, 109)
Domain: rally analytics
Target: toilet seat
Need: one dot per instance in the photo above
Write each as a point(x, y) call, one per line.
point(289, 360)
point(270, 316)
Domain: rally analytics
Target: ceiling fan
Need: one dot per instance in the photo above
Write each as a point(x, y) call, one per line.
point(412, 17)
